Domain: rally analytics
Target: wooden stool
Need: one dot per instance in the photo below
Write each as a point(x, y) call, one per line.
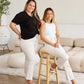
point(47, 67)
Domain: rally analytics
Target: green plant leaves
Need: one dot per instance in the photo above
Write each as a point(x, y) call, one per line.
point(4, 6)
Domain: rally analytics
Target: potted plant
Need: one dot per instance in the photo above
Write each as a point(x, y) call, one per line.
point(4, 33)
point(4, 6)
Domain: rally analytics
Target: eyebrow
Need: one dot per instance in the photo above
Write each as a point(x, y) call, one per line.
point(31, 4)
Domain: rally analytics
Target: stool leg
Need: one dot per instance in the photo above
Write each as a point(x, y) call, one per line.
point(48, 69)
point(40, 67)
point(56, 70)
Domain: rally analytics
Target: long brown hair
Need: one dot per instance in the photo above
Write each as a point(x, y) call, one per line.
point(34, 13)
point(45, 13)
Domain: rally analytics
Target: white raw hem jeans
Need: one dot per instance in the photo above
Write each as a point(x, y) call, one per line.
point(62, 60)
point(31, 56)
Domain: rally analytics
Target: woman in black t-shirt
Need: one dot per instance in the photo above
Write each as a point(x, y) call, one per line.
point(29, 23)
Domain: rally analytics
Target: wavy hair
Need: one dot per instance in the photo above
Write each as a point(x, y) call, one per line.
point(34, 13)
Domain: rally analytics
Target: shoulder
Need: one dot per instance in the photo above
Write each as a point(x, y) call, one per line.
point(55, 23)
point(20, 14)
point(18, 18)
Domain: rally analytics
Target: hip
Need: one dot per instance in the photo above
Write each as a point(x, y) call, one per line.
point(30, 41)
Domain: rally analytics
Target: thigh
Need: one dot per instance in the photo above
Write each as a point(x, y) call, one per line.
point(58, 52)
point(28, 49)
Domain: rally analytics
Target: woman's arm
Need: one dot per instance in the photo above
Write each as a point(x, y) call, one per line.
point(42, 33)
point(57, 34)
point(13, 27)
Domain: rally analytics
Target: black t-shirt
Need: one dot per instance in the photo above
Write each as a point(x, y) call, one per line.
point(27, 25)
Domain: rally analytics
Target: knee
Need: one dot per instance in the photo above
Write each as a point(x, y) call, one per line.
point(66, 57)
point(30, 59)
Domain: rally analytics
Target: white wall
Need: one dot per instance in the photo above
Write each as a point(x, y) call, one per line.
point(66, 11)
point(69, 16)
point(71, 31)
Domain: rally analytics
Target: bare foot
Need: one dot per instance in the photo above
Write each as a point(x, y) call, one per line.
point(73, 81)
point(29, 82)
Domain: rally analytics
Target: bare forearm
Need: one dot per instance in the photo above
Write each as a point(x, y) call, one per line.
point(15, 30)
point(58, 38)
point(13, 27)
point(47, 41)
point(57, 34)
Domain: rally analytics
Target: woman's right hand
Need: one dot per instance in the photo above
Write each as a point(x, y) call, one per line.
point(56, 45)
point(19, 36)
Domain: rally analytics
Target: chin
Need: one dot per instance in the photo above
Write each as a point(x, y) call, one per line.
point(30, 11)
point(50, 18)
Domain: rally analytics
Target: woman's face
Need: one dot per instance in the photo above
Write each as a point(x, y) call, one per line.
point(31, 6)
point(49, 15)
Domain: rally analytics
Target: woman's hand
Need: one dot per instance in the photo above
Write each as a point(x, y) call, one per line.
point(56, 45)
point(42, 22)
point(19, 36)
point(13, 27)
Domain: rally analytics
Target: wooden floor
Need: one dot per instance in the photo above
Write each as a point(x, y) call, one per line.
point(10, 79)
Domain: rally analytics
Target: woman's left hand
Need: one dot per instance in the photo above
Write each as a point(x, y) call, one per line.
point(57, 45)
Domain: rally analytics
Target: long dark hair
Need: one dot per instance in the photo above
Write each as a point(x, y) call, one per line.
point(34, 13)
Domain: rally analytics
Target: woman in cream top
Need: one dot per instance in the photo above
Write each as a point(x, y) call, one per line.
point(50, 35)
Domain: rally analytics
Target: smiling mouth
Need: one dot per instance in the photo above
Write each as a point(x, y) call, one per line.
point(31, 9)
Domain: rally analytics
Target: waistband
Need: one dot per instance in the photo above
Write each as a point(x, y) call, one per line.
point(31, 39)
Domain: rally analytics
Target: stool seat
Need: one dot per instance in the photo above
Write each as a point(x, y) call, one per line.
point(47, 60)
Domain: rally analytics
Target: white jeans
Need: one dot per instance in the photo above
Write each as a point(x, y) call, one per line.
point(62, 60)
point(31, 56)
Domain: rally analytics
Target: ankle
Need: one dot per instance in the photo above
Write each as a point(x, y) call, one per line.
point(73, 81)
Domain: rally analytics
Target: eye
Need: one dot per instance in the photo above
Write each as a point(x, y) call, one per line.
point(47, 13)
point(30, 5)
point(34, 6)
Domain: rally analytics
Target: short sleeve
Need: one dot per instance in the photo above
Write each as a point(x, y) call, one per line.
point(18, 18)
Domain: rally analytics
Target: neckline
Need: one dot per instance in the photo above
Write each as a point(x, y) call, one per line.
point(28, 14)
point(49, 23)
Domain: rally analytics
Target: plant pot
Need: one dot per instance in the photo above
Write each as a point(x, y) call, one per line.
point(4, 35)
